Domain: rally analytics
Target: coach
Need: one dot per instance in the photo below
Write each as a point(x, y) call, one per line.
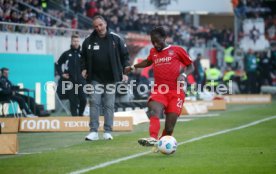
point(104, 56)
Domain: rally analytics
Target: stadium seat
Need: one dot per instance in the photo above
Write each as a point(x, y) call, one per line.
point(11, 103)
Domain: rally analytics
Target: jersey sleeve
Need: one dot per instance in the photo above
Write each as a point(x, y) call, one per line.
point(183, 56)
point(150, 55)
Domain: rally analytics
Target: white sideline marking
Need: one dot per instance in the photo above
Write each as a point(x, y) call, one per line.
point(105, 164)
point(200, 115)
point(26, 153)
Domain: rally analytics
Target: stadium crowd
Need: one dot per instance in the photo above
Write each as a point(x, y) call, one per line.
point(120, 17)
point(123, 18)
point(258, 9)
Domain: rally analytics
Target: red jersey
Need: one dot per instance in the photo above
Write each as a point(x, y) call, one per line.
point(167, 65)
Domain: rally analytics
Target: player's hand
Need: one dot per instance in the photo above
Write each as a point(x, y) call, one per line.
point(181, 79)
point(84, 73)
point(128, 69)
point(65, 76)
point(125, 78)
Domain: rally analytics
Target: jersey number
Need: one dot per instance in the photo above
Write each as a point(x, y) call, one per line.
point(179, 103)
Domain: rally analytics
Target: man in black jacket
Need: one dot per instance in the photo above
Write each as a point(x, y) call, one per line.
point(104, 56)
point(8, 92)
point(71, 75)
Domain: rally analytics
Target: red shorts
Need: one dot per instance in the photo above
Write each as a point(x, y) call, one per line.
point(172, 101)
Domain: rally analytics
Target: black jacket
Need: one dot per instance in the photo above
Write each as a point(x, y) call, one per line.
point(72, 61)
point(6, 88)
point(118, 52)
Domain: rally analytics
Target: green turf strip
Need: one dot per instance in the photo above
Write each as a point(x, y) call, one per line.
point(227, 153)
point(249, 150)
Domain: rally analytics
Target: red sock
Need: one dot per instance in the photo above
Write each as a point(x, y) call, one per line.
point(154, 127)
point(164, 133)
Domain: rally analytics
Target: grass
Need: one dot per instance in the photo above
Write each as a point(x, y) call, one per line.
point(249, 150)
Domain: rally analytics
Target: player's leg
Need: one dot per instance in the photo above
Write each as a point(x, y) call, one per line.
point(173, 111)
point(154, 113)
point(171, 119)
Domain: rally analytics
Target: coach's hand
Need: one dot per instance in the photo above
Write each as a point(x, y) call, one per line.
point(125, 78)
point(84, 73)
point(128, 69)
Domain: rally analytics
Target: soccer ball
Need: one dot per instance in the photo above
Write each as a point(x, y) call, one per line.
point(167, 145)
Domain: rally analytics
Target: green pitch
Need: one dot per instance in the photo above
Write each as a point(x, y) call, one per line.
point(248, 150)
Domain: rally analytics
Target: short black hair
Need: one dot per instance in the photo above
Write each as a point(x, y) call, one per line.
point(159, 30)
point(4, 69)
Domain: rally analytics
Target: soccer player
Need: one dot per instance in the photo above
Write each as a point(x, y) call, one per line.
point(171, 65)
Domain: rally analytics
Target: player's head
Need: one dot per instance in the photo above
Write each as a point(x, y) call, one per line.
point(5, 72)
point(99, 24)
point(75, 41)
point(158, 38)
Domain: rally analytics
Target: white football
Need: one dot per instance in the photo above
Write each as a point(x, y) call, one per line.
point(167, 145)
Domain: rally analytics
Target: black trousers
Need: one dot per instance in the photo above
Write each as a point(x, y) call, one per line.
point(252, 83)
point(77, 99)
point(25, 103)
point(266, 78)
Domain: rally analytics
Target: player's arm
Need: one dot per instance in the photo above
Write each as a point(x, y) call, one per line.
point(143, 64)
point(189, 69)
point(185, 72)
point(187, 62)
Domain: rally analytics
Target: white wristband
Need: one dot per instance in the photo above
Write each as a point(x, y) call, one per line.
point(185, 75)
point(132, 67)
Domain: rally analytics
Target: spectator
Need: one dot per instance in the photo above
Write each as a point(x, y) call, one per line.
point(91, 8)
point(14, 17)
point(250, 64)
point(74, 23)
point(265, 67)
point(213, 78)
point(1, 15)
point(44, 5)
point(199, 71)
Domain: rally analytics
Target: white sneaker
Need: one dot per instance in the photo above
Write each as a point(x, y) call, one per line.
point(147, 141)
point(31, 116)
point(107, 136)
point(93, 136)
